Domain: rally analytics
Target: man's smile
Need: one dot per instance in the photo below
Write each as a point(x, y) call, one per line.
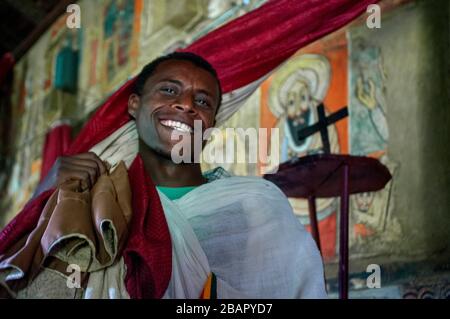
point(177, 125)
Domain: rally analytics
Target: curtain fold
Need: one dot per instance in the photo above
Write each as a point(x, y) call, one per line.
point(57, 141)
point(252, 45)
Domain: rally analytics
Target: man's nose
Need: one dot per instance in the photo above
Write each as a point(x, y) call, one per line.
point(185, 103)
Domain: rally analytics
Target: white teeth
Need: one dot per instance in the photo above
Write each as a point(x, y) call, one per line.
point(182, 127)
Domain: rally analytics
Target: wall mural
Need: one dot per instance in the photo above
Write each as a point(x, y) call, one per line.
point(112, 49)
point(46, 92)
point(316, 74)
point(118, 19)
point(369, 130)
point(295, 91)
point(375, 227)
point(289, 99)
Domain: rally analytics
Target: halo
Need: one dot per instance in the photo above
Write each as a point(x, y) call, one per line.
point(312, 69)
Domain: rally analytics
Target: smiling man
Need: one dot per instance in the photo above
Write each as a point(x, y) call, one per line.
point(217, 235)
point(171, 93)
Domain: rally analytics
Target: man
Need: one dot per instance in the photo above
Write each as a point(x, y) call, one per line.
point(233, 236)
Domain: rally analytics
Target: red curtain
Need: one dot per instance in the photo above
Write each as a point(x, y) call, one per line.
point(57, 141)
point(249, 47)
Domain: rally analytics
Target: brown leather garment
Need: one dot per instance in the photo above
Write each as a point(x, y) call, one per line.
point(78, 226)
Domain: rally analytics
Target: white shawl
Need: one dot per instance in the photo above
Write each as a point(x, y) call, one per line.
point(241, 228)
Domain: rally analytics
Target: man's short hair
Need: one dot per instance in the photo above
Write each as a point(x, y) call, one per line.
point(195, 59)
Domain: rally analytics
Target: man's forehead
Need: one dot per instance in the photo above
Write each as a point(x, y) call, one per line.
point(174, 69)
point(174, 66)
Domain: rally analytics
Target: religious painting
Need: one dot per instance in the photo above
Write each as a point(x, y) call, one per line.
point(90, 90)
point(120, 26)
point(31, 125)
point(169, 24)
point(368, 125)
point(315, 76)
point(296, 91)
point(62, 58)
point(110, 49)
point(40, 103)
point(374, 226)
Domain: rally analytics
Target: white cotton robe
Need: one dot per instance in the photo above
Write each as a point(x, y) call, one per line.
point(244, 230)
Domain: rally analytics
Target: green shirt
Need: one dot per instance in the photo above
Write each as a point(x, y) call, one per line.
point(173, 193)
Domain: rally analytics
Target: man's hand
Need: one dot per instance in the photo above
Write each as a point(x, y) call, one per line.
point(86, 167)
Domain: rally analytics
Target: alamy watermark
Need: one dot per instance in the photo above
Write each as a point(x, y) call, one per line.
point(373, 21)
point(73, 20)
point(374, 279)
point(253, 148)
point(74, 279)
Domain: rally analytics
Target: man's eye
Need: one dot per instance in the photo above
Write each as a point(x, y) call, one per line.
point(168, 90)
point(202, 102)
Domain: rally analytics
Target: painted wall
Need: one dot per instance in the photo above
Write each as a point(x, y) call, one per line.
point(412, 52)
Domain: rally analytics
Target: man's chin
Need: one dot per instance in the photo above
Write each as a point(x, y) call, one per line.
point(174, 150)
point(164, 153)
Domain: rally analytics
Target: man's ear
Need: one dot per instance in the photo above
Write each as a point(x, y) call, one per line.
point(133, 104)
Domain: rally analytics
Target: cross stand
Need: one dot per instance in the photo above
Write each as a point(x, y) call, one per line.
point(330, 175)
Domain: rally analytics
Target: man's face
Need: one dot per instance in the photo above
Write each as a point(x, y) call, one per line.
point(174, 96)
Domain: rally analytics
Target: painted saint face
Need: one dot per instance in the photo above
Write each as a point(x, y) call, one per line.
point(298, 109)
point(298, 100)
point(177, 94)
point(364, 201)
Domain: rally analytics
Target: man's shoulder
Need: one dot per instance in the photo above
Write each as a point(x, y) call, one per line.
point(219, 177)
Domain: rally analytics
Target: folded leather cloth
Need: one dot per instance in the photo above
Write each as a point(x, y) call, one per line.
point(83, 228)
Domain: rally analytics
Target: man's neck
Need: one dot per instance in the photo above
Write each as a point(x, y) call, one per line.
point(164, 172)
